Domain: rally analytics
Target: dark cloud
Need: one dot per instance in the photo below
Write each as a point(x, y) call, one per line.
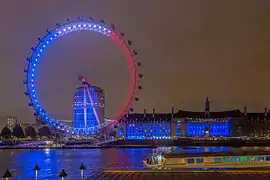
point(189, 49)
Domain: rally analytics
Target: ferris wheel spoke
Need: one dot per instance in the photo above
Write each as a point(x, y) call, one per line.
point(93, 105)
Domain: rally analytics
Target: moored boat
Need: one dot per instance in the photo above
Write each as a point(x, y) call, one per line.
point(209, 160)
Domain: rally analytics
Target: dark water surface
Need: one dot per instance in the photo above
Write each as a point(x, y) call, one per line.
point(51, 162)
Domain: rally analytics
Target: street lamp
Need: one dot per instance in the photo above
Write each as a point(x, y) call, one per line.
point(36, 169)
point(63, 174)
point(7, 175)
point(82, 168)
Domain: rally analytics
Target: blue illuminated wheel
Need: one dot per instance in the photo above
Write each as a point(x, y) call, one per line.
point(66, 28)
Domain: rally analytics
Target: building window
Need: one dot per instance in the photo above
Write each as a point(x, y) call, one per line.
point(227, 159)
point(121, 131)
point(178, 128)
point(235, 159)
point(218, 160)
point(252, 158)
point(261, 158)
point(244, 159)
point(199, 160)
point(190, 161)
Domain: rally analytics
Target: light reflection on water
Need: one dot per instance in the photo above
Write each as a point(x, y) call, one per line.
point(51, 162)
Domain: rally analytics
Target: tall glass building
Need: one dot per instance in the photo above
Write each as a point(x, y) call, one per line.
point(88, 106)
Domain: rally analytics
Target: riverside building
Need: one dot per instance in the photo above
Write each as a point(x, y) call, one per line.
point(184, 124)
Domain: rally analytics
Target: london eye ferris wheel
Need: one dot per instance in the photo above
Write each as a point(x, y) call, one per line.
point(70, 26)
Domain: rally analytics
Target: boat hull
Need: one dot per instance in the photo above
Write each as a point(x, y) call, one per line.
point(205, 161)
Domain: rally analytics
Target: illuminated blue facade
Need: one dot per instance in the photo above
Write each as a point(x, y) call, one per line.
point(84, 115)
point(152, 130)
point(79, 108)
point(179, 128)
point(220, 129)
point(146, 127)
point(180, 124)
point(194, 129)
point(208, 127)
point(121, 131)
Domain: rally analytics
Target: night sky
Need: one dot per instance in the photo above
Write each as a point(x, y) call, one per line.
point(189, 50)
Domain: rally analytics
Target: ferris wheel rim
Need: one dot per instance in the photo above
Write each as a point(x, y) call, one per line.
point(66, 28)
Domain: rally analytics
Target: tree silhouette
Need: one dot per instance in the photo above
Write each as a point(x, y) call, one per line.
point(30, 131)
point(44, 131)
point(18, 132)
point(5, 133)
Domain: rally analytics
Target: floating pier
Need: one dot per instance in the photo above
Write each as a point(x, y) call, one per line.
point(181, 175)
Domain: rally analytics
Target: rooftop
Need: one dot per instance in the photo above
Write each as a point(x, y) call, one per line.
point(220, 114)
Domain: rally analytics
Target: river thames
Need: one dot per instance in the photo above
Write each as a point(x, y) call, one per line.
point(52, 161)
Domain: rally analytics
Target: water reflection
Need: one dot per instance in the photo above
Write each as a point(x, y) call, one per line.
point(22, 162)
